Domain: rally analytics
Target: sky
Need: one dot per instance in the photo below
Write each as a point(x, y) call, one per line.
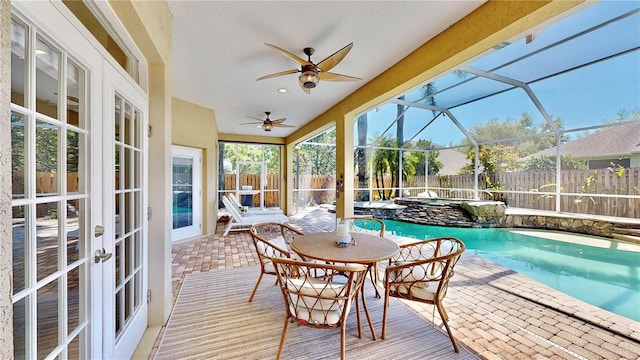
point(587, 96)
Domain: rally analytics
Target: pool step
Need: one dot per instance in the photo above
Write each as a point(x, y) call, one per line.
point(627, 238)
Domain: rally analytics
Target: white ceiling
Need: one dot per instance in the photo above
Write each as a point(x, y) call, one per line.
point(219, 52)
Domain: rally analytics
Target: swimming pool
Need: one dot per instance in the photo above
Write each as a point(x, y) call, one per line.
point(598, 271)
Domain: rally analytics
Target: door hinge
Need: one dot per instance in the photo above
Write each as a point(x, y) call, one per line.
point(148, 296)
point(149, 213)
point(149, 131)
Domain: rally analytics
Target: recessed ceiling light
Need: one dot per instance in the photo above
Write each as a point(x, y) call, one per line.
point(282, 90)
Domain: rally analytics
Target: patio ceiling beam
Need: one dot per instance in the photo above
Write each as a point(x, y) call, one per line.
point(524, 86)
point(440, 109)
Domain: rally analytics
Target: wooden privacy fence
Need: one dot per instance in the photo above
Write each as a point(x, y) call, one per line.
point(523, 189)
point(320, 189)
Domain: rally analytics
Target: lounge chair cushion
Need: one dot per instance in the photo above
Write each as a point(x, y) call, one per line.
point(319, 306)
point(415, 281)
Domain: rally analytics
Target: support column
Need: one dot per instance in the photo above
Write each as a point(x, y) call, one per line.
point(344, 166)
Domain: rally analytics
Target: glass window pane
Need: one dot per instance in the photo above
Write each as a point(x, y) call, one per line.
point(117, 118)
point(137, 126)
point(47, 239)
point(47, 319)
point(74, 224)
point(128, 259)
point(128, 123)
point(18, 63)
point(73, 352)
point(20, 328)
point(74, 292)
point(17, 155)
point(126, 168)
point(47, 79)
point(20, 248)
point(75, 95)
point(75, 142)
point(47, 141)
point(118, 162)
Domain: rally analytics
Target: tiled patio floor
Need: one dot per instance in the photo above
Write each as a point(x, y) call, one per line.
point(494, 312)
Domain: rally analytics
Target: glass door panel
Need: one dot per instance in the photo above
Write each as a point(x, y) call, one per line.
point(187, 192)
point(49, 216)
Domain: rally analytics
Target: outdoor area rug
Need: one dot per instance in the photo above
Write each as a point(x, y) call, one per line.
point(212, 319)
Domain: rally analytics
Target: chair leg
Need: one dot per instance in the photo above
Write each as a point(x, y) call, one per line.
point(342, 335)
point(445, 321)
point(373, 274)
point(228, 228)
point(366, 311)
point(358, 317)
point(284, 333)
point(255, 287)
point(384, 313)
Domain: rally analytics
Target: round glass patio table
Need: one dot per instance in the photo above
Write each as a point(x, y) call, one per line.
point(365, 249)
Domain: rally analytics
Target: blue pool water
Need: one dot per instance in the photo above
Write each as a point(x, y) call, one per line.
point(597, 271)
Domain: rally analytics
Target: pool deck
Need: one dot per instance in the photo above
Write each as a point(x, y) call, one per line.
point(494, 312)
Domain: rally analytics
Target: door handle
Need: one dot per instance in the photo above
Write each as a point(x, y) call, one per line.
point(101, 256)
point(99, 230)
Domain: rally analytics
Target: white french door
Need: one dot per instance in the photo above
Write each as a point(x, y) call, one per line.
point(186, 165)
point(124, 167)
point(76, 125)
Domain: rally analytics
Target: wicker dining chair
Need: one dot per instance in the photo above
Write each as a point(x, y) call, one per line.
point(361, 224)
point(270, 240)
point(421, 272)
point(318, 302)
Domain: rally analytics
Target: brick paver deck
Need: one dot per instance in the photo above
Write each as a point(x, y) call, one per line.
point(494, 312)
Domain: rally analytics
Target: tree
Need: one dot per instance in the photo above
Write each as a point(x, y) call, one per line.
point(318, 156)
point(501, 157)
point(385, 162)
point(434, 164)
point(548, 163)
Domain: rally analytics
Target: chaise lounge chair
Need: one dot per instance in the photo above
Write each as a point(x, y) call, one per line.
point(238, 221)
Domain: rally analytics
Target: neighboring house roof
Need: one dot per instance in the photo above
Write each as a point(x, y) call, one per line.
point(613, 141)
point(453, 160)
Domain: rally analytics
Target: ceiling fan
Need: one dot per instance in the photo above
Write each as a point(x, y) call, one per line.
point(312, 73)
point(267, 124)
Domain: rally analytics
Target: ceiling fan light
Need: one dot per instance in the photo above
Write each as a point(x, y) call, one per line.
point(267, 126)
point(308, 79)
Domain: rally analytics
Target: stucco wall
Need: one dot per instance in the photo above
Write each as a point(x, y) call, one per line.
point(6, 309)
point(198, 129)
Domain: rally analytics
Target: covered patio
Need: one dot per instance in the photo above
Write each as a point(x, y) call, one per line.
point(494, 312)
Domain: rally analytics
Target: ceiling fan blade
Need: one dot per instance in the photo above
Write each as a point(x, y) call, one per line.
point(287, 72)
point(291, 56)
point(253, 123)
point(278, 121)
point(328, 76)
point(333, 60)
point(283, 125)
